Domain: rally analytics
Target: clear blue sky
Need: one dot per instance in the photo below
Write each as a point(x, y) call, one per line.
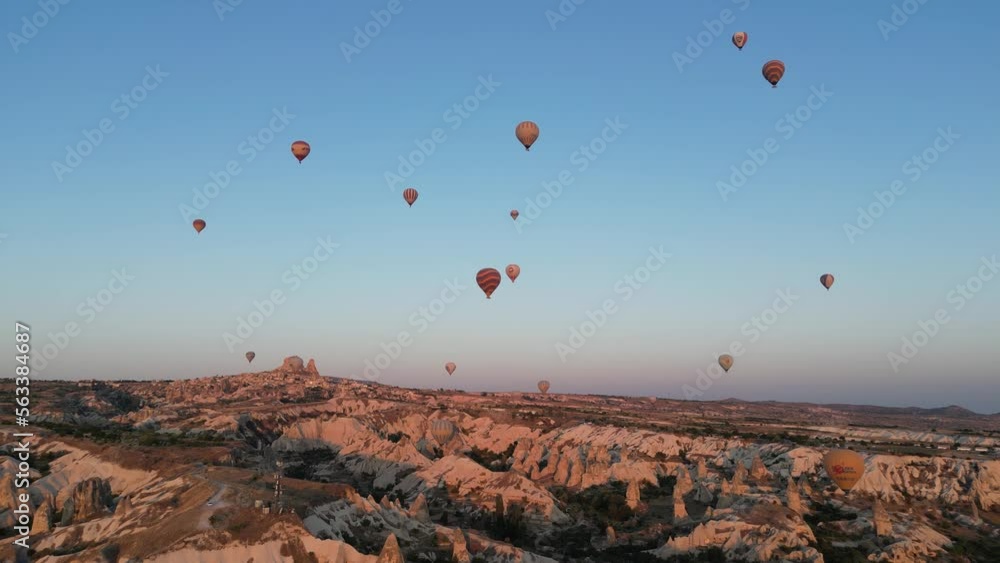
point(656, 184)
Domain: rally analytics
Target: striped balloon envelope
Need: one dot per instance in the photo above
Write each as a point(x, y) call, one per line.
point(442, 430)
point(826, 280)
point(410, 195)
point(488, 280)
point(543, 386)
point(773, 71)
point(527, 132)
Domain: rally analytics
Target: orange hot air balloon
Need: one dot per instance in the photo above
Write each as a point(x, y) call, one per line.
point(773, 71)
point(826, 280)
point(250, 356)
point(513, 270)
point(410, 195)
point(199, 225)
point(543, 386)
point(488, 280)
point(514, 214)
point(740, 39)
point(527, 132)
point(301, 150)
point(845, 468)
point(726, 361)
point(450, 367)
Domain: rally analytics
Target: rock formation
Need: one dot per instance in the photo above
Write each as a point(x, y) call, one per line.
point(90, 498)
point(741, 473)
point(611, 536)
point(8, 495)
point(419, 509)
point(680, 510)
point(390, 551)
point(292, 364)
point(757, 469)
point(975, 511)
point(794, 500)
point(739, 483)
point(880, 519)
point(42, 522)
point(311, 368)
point(702, 468)
point(684, 484)
point(632, 495)
point(124, 506)
point(459, 547)
point(702, 494)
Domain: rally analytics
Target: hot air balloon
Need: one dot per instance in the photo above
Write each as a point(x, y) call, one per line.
point(826, 280)
point(543, 386)
point(527, 133)
point(514, 214)
point(250, 356)
point(442, 430)
point(488, 280)
point(450, 367)
point(845, 468)
point(773, 71)
point(410, 195)
point(199, 225)
point(301, 150)
point(726, 361)
point(513, 270)
point(740, 39)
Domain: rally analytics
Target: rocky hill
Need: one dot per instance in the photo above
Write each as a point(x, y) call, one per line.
point(287, 465)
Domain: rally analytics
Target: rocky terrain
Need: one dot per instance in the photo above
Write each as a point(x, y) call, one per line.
point(288, 465)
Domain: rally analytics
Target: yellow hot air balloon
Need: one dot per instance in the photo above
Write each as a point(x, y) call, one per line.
point(726, 361)
point(442, 430)
point(450, 367)
point(543, 386)
point(845, 468)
